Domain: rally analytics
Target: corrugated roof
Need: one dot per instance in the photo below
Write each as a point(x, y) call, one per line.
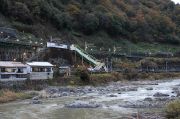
point(42, 64)
point(11, 64)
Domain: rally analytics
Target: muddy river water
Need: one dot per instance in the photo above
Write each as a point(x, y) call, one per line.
point(114, 101)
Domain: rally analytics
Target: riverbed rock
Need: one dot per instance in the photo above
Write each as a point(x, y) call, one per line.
point(177, 91)
point(83, 104)
point(145, 104)
point(35, 98)
point(178, 94)
point(148, 99)
point(150, 88)
point(56, 95)
point(132, 89)
point(65, 94)
point(52, 90)
point(149, 115)
point(36, 102)
point(112, 95)
point(162, 99)
point(158, 94)
point(137, 105)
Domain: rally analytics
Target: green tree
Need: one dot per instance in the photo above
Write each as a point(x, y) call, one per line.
point(90, 23)
point(116, 26)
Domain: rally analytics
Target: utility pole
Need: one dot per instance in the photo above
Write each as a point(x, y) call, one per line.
point(114, 49)
point(167, 53)
point(85, 46)
point(129, 51)
point(107, 64)
point(166, 66)
point(75, 56)
point(51, 38)
point(82, 61)
point(111, 64)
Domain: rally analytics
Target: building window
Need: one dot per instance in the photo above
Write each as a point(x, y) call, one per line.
point(37, 69)
point(48, 69)
point(8, 70)
point(21, 76)
point(4, 76)
point(20, 70)
point(3, 69)
point(42, 69)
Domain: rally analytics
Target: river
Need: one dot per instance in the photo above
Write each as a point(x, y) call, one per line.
point(117, 100)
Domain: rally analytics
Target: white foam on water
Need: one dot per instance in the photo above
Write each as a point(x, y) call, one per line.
point(142, 92)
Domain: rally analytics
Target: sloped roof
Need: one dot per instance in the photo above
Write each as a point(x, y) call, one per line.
point(41, 64)
point(11, 32)
point(11, 64)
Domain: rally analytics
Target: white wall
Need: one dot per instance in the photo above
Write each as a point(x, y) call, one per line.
point(55, 45)
point(40, 75)
point(13, 74)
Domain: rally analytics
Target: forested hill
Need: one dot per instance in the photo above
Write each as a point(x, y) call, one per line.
point(133, 20)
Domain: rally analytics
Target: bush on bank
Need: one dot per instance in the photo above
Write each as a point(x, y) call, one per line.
point(173, 110)
point(8, 95)
point(84, 74)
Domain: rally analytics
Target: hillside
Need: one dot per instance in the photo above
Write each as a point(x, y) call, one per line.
point(103, 22)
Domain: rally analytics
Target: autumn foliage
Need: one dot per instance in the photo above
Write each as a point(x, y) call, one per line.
point(135, 20)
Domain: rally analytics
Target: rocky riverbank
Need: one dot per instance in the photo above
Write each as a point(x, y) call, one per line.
point(123, 99)
point(136, 95)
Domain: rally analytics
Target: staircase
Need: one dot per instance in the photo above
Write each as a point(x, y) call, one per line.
point(98, 65)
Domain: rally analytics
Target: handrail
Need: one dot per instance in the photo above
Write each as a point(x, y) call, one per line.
point(83, 51)
point(86, 56)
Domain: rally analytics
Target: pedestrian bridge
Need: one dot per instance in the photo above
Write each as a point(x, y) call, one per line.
point(92, 60)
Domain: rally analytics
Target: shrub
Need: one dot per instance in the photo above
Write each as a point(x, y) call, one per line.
point(7, 95)
point(117, 76)
point(130, 74)
point(103, 78)
point(84, 75)
point(173, 110)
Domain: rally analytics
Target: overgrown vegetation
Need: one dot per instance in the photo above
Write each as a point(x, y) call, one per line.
point(83, 74)
point(173, 110)
point(8, 95)
point(135, 20)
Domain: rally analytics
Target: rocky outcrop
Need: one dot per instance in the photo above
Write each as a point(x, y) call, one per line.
point(158, 94)
point(112, 95)
point(150, 88)
point(36, 102)
point(148, 99)
point(82, 104)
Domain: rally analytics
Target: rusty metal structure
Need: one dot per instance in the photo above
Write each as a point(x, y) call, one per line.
point(12, 49)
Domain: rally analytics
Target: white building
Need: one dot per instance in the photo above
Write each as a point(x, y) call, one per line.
point(40, 70)
point(65, 70)
point(12, 71)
